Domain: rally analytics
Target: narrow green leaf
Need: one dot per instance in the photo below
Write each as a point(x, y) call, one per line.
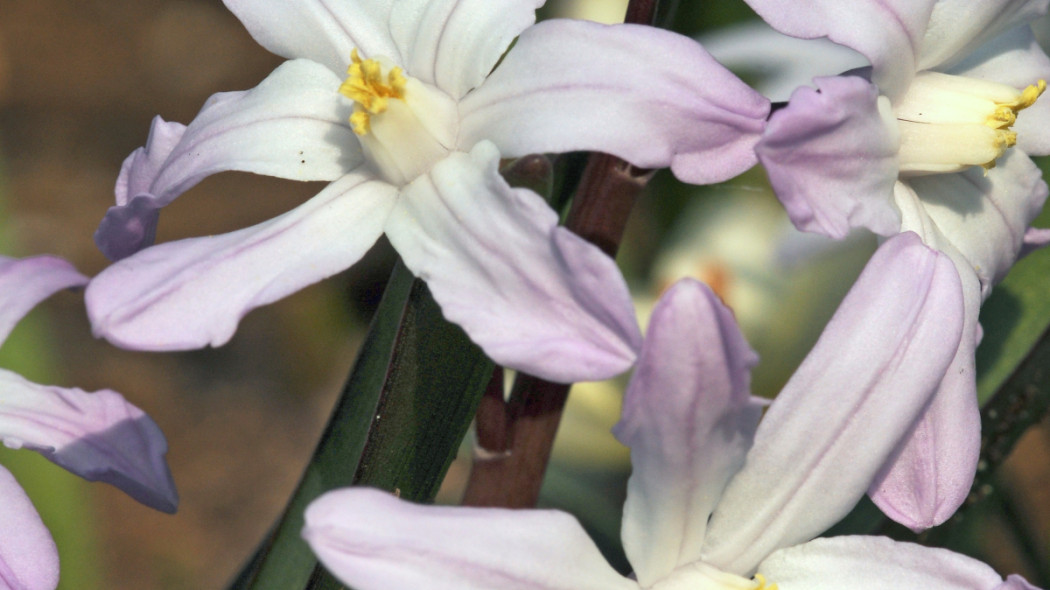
point(1013, 318)
point(404, 410)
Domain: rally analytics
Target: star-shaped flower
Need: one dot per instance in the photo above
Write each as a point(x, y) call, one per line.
point(397, 103)
point(934, 138)
point(716, 501)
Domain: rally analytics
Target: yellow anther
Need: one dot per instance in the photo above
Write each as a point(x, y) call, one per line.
point(1005, 114)
point(763, 584)
point(365, 86)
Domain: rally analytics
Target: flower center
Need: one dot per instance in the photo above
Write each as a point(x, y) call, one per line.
point(404, 125)
point(365, 86)
point(950, 123)
point(701, 576)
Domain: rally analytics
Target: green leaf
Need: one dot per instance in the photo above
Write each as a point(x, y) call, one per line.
point(1013, 318)
point(407, 404)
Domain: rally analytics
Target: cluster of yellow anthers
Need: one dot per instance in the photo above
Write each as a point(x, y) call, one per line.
point(365, 86)
point(1005, 115)
point(762, 583)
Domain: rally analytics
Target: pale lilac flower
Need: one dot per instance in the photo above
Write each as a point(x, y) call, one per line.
point(924, 146)
point(412, 148)
point(716, 501)
point(98, 436)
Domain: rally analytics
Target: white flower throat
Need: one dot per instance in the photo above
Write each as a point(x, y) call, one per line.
point(949, 123)
point(404, 125)
point(701, 576)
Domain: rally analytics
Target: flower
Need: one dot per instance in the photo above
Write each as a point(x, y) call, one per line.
point(98, 436)
point(716, 501)
point(411, 148)
point(933, 139)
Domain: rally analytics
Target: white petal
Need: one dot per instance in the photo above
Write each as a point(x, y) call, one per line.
point(888, 32)
point(777, 63)
point(26, 282)
point(689, 419)
point(875, 563)
point(835, 423)
point(293, 125)
point(651, 97)
point(454, 44)
point(1015, 58)
point(373, 541)
point(958, 27)
point(324, 31)
point(28, 556)
point(984, 216)
point(534, 296)
point(192, 293)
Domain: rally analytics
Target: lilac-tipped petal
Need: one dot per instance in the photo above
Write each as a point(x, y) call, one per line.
point(534, 296)
point(931, 473)
point(28, 555)
point(192, 293)
point(689, 419)
point(842, 414)
point(831, 156)
point(373, 541)
point(141, 168)
point(1015, 58)
point(573, 85)
point(875, 563)
point(98, 436)
point(26, 282)
point(454, 44)
point(983, 215)
point(1034, 239)
point(292, 125)
point(319, 30)
point(888, 32)
point(956, 27)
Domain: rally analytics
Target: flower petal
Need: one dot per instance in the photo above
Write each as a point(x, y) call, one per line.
point(1015, 58)
point(831, 155)
point(776, 63)
point(293, 125)
point(454, 44)
point(957, 27)
point(875, 563)
point(983, 215)
point(26, 282)
point(888, 32)
point(98, 436)
point(373, 541)
point(930, 475)
point(861, 388)
point(28, 555)
point(534, 296)
point(319, 30)
point(689, 419)
point(651, 97)
point(192, 293)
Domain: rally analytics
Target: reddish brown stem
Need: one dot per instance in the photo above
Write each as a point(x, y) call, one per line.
point(514, 439)
point(514, 444)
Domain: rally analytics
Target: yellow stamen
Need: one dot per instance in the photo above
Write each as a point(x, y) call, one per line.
point(762, 583)
point(365, 86)
point(1005, 115)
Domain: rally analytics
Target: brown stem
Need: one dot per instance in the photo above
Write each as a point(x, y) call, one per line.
point(514, 439)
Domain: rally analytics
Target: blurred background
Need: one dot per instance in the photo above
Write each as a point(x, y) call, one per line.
point(80, 82)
